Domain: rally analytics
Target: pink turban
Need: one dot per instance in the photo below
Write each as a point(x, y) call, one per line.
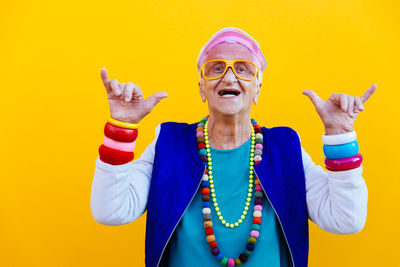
point(233, 35)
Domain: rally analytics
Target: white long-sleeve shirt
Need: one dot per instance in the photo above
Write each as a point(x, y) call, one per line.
point(336, 201)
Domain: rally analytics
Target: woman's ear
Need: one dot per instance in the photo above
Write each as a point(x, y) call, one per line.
point(258, 89)
point(201, 91)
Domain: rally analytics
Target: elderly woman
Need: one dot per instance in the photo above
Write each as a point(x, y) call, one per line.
point(225, 190)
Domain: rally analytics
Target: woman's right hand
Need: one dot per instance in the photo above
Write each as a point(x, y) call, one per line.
point(126, 100)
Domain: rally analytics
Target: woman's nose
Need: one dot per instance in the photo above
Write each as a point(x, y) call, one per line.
point(229, 76)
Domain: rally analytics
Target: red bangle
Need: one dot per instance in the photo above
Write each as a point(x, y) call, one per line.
point(120, 134)
point(344, 163)
point(114, 156)
point(336, 170)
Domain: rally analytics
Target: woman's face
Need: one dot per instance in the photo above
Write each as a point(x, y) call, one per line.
point(247, 91)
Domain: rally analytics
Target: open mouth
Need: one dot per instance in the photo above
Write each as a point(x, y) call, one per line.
point(229, 93)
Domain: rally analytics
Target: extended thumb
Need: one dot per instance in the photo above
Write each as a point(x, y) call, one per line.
point(315, 99)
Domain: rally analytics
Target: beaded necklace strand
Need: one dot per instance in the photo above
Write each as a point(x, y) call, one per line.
point(207, 183)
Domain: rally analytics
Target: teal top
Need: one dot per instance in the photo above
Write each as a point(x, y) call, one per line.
point(188, 244)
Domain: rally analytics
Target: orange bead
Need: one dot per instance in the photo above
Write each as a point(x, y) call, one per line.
point(210, 238)
point(257, 181)
point(257, 220)
point(208, 224)
point(200, 129)
point(205, 191)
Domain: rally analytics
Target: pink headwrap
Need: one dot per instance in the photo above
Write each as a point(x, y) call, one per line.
point(233, 35)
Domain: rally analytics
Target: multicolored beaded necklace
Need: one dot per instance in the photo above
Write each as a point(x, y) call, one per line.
point(207, 183)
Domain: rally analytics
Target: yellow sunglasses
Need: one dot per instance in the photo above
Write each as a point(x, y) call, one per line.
point(216, 68)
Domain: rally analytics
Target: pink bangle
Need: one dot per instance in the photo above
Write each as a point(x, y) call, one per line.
point(122, 146)
point(344, 163)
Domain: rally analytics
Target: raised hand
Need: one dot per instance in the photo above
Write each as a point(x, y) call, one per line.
point(339, 112)
point(126, 100)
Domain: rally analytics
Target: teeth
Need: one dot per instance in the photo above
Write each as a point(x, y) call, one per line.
point(228, 95)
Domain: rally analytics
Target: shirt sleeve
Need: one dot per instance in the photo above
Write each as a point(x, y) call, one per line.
point(336, 200)
point(119, 192)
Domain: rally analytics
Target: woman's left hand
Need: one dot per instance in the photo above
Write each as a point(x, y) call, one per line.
point(339, 112)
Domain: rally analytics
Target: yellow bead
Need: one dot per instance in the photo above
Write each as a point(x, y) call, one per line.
point(208, 150)
point(240, 221)
point(219, 213)
point(242, 217)
point(251, 181)
point(215, 204)
point(246, 208)
point(223, 221)
point(244, 212)
point(212, 190)
point(251, 167)
point(209, 163)
point(250, 190)
point(220, 218)
point(247, 205)
point(249, 194)
point(211, 185)
point(232, 225)
point(211, 179)
point(250, 185)
point(210, 172)
point(227, 224)
point(251, 175)
point(251, 163)
point(213, 195)
point(217, 208)
point(210, 168)
point(236, 224)
point(248, 199)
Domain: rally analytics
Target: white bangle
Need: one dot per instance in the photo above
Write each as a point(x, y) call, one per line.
point(339, 139)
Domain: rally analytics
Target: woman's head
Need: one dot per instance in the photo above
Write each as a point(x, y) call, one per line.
point(231, 94)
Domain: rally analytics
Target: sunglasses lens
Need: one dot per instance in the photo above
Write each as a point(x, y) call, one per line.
point(244, 70)
point(214, 69)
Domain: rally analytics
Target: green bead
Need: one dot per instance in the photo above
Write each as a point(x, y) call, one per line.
point(259, 140)
point(224, 261)
point(255, 226)
point(252, 240)
point(247, 252)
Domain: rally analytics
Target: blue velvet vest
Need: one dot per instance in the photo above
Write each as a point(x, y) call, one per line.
point(177, 173)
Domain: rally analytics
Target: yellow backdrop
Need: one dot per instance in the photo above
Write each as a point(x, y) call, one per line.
point(54, 108)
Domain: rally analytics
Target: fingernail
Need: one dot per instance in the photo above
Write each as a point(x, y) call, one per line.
point(118, 92)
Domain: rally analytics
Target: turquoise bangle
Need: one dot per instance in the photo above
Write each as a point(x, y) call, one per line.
point(341, 151)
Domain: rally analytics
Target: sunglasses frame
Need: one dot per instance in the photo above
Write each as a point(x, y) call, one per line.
point(229, 63)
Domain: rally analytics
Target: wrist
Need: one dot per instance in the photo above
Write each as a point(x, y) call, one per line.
point(334, 131)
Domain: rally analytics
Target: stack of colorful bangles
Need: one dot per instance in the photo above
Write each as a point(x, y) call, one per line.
point(341, 152)
point(119, 142)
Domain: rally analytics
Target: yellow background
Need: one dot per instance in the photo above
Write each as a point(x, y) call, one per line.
point(54, 107)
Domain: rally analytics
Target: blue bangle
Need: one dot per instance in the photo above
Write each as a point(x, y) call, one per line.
point(341, 151)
